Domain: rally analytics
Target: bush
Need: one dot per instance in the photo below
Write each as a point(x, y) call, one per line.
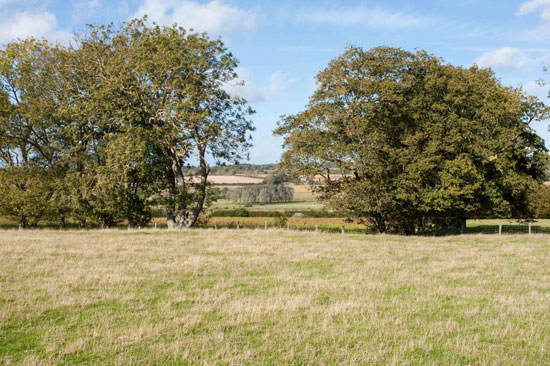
point(539, 202)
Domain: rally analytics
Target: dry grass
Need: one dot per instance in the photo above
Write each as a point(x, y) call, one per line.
point(209, 297)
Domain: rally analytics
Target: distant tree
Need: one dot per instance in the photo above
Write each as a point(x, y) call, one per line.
point(419, 143)
point(261, 193)
point(279, 177)
point(265, 195)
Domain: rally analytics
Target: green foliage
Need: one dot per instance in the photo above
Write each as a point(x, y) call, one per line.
point(277, 178)
point(102, 130)
point(419, 143)
point(24, 194)
point(539, 200)
point(282, 221)
point(261, 193)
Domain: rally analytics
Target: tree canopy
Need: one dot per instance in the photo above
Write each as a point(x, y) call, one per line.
point(103, 128)
point(419, 143)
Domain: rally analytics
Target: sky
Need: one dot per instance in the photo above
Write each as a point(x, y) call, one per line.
point(282, 45)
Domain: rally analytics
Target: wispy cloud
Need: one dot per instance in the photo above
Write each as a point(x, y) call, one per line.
point(542, 7)
point(215, 17)
point(506, 58)
point(363, 15)
point(537, 89)
point(246, 88)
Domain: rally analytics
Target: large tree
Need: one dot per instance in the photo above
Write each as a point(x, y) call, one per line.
point(171, 83)
point(105, 127)
point(420, 143)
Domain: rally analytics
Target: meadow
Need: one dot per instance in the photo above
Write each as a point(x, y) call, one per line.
point(256, 297)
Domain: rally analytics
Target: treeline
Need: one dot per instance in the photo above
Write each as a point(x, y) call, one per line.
point(261, 193)
point(102, 129)
point(237, 169)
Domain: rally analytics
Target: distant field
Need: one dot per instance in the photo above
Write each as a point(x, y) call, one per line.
point(307, 202)
point(304, 199)
point(231, 179)
point(252, 297)
point(474, 223)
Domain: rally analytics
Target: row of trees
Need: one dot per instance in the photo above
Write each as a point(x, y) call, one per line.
point(419, 143)
point(237, 169)
point(102, 129)
point(261, 193)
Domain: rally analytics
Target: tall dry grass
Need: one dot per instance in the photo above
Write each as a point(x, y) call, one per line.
point(209, 297)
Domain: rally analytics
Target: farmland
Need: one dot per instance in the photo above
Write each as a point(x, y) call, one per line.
point(272, 297)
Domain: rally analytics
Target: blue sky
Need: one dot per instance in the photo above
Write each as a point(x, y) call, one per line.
point(281, 45)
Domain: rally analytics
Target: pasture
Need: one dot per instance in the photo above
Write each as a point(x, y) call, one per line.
point(230, 179)
point(204, 297)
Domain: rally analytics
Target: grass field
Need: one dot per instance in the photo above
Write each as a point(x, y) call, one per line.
point(204, 297)
point(304, 199)
point(299, 203)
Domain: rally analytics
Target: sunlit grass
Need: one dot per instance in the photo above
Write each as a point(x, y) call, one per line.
point(255, 297)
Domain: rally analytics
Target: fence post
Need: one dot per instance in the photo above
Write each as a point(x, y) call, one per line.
point(499, 229)
point(529, 228)
point(316, 227)
point(215, 226)
point(265, 225)
point(343, 229)
point(288, 226)
point(155, 225)
point(238, 227)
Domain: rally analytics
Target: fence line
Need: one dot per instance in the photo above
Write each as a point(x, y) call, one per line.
point(496, 229)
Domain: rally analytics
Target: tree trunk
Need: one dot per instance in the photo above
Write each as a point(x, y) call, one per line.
point(379, 223)
point(199, 205)
point(170, 219)
point(23, 222)
point(174, 215)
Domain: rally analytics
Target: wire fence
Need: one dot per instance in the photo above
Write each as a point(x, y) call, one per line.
point(338, 226)
point(495, 229)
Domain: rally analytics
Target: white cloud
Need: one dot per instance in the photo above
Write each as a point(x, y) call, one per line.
point(32, 24)
point(542, 8)
point(214, 17)
point(536, 6)
point(245, 87)
point(362, 15)
point(278, 82)
point(507, 58)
